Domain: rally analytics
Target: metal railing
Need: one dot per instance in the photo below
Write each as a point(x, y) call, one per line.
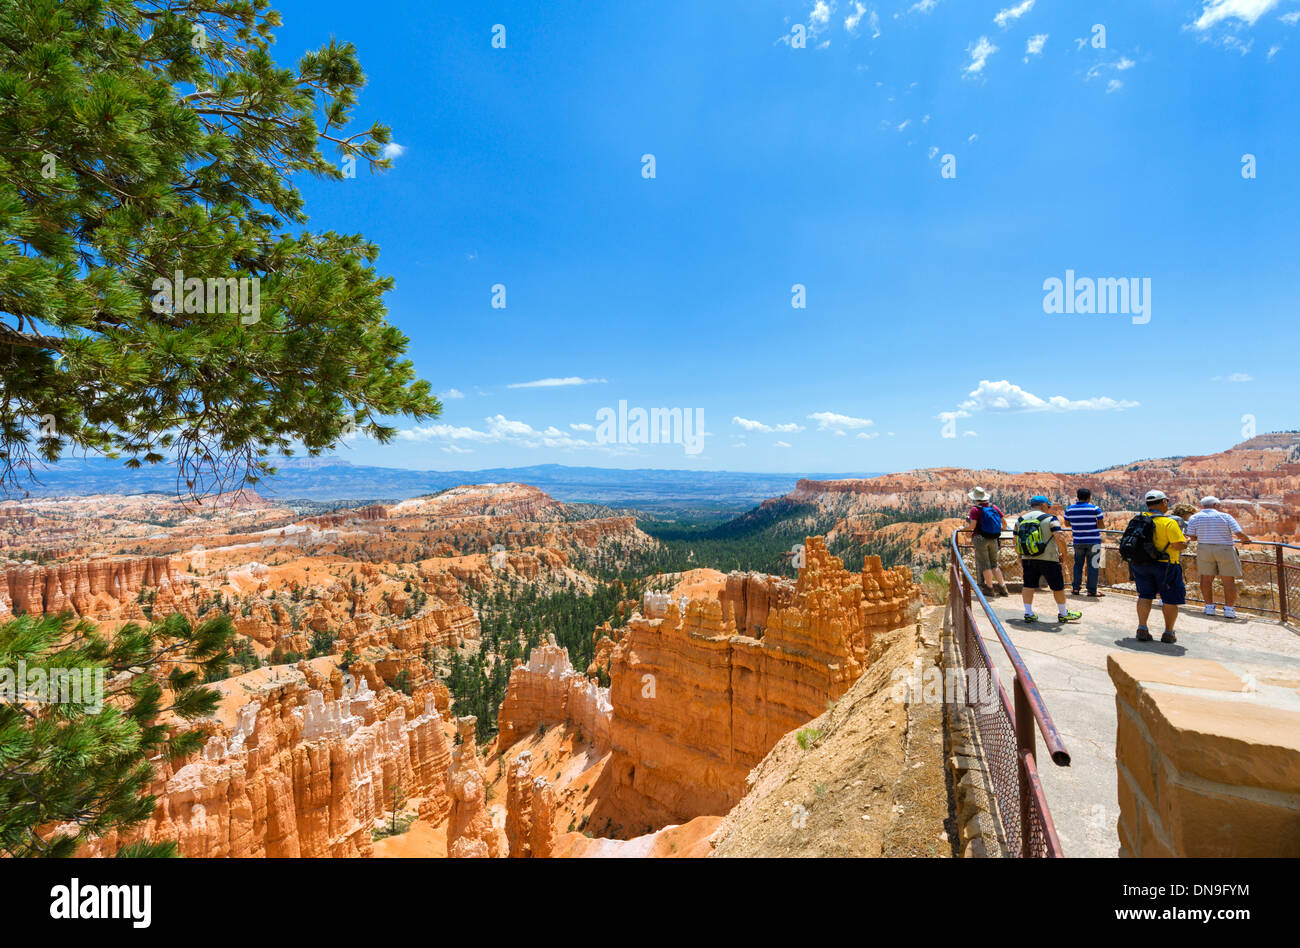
point(1006, 729)
point(1272, 571)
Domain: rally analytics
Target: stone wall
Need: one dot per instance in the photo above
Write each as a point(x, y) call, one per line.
point(1208, 760)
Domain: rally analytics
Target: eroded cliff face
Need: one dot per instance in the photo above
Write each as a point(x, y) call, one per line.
point(530, 812)
point(473, 830)
point(548, 691)
point(94, 588)
point(304, 770)
point(697, 703)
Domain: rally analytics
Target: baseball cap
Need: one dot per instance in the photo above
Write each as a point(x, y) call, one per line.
point(1209, 501)
point(1039, 499)
point(1155, 496)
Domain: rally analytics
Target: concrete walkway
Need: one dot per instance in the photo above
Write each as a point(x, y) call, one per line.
point(1068, 663)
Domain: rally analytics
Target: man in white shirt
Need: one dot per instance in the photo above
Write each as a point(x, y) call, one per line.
point(1216, 553)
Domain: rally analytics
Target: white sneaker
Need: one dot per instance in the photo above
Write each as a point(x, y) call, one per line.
point(1209, 610)
point(1229, 612)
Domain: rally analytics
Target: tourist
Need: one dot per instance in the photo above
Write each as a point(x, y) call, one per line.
point(986, 529)
point(1214, 531)
point(1180, 513)
point(1041, 544)
point(1151, 544)
point(1085, 520)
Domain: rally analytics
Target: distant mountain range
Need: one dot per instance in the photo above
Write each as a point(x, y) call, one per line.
point(326, 479)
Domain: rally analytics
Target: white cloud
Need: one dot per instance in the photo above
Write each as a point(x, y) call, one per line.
point(501, 430)
point(973, 138)
point(1214, 12)
point(1234, 377)
point(970, 434)
point(1003, 396)
point(393, 150)
point(868, 435)
point(452, 393)
point(578, 426)
point(1011, 14)
point(1273, 51)
point(781, 444)
point(1123, 64)
point(934, 152)
point(1290, 19)
point(750, 425)
point(456, 449)
point(922, 6)
point(979, 51)
point(852, 21)
point(903, 124)
point(831, 421)
point(1035, 45)
point(556, 383)
point(820, 17)
point(874, 20)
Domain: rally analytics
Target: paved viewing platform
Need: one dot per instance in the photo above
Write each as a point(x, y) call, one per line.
point(1068, 663)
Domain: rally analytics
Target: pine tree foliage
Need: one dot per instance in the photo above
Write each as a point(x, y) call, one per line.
point(81, 765)
point(143, 139)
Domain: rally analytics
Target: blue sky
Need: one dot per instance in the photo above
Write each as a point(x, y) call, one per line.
point(822, 166)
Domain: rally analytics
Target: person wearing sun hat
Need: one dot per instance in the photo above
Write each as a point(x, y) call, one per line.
point(1215, 531)
point(1157, 573)
point(1040, 541)
point(987, 521)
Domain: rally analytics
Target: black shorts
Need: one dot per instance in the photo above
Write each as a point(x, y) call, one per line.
point(1049, 570)
point(1160, 579)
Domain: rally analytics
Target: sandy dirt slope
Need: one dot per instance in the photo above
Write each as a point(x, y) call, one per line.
point(871, 781)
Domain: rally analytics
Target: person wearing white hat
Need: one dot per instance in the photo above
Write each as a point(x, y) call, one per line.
point(1151, 544)
point(987, 520)
point(1214, 531)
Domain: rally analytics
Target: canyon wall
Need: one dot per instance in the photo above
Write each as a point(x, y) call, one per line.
point(548, 691)
point(87, 588)
point(304, 770)
point(697, 703)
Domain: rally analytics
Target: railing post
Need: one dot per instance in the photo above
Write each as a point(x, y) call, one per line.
point(1025, 741)
point(1281, 584)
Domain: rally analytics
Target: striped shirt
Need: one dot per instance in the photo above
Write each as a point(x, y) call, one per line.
point(1213, 526)
point(1082, 518)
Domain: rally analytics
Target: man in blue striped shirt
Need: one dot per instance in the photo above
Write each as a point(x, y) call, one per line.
point(1085, 521)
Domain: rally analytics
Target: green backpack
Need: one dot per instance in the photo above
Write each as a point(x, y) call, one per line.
point(1032, 535)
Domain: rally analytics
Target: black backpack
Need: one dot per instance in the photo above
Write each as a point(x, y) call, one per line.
point(1138, 544)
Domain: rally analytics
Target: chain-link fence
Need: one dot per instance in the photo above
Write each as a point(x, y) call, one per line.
point(1008, 751)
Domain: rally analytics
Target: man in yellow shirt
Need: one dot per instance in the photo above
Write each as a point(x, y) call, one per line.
point(1163, 578)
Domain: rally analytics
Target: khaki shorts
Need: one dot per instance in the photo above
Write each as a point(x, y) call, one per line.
point(986, 555)
point(1218, 559)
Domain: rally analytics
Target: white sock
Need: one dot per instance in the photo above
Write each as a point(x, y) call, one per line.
point(1060, 609)
point(1029, 609)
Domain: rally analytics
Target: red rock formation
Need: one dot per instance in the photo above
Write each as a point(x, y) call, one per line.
point(299, 774)
point(471, 831)
point(530, 811)
point(94, 588)
point(697, 705)
point(547, 691)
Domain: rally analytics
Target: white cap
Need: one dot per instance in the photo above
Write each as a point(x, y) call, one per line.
point(1153, 496)
point(1209, 501)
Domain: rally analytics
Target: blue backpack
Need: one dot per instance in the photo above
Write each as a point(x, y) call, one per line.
point(990, 524)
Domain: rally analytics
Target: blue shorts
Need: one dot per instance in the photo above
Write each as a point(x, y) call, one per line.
point(1160, 579)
